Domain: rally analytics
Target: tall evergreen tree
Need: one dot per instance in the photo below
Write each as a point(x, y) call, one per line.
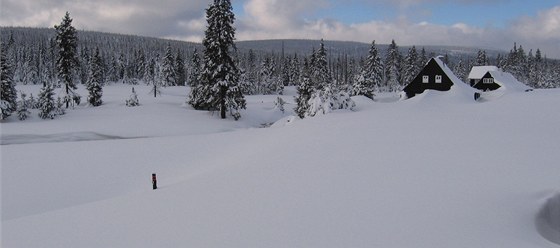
point(393, 68)
point(422, 58)
point(371, 75)
point(460, 69)
point(22, 107)
point(304, 90)
point(168, 68)
point(411, 65)
point(8, 94)
point(269, 82)
point(47, 105)
point(320, 76)
point(67, 41)
point(141, 64)
point(194, 72)
point(481, 58)
point(180, 76)
point(95, 80)
point(219, 88)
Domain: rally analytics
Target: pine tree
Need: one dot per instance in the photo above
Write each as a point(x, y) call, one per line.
point(141, 64)
point(304, 90)
point(167, 68)
point(371, 75)
point(22, 108)
point(132, 101)
point(180, 76)
point(411, 65)
point(67, 41)
point(194, 72)
point(320, 76)
point(8, 95)
point(538, 71)
point(59, 110)
point(32, 103)
point(422, 59)
point(393, 68)
point(47, 105)
point(250, 76)
point(269, 82)
point(481, 58)
point(95, 80)
point(326, 95)
point(460, 70)
point(219, 82)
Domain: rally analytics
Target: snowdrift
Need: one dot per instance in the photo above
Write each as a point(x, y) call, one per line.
point(404, 174)
point(548, 219)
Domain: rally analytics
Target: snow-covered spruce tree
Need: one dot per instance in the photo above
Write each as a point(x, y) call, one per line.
point(168, 68)
point(460, 69)
point(251, 74)
point(67, 41)
point(320, 75)
point(59, 110)
point(393, 68)
point(180, 76)
point(269, 82)
point(219, 81)
point(327, 100)
point(194, 72)
point(481, 58)
point(95, 80)
point(422, 58)
point(47, 105)
point(326, 96)
point(410, 65)
point(8, 95)
point(371, 75)
point(132, 101)
point(22, 107)
point(304, 90)
point(32, 103)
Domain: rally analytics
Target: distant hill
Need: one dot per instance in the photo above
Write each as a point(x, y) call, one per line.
point(28, 36)
point(352, 48)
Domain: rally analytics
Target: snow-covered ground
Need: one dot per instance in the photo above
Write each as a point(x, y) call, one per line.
point(436, 170)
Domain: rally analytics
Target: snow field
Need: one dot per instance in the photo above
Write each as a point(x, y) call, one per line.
point(432, 171)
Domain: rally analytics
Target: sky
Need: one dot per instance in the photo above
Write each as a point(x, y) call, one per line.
point(490, 24)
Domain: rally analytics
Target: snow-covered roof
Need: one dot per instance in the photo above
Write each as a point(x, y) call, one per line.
point(477, 72)
point(508, 81)
point(459, 92)
point(448, 71)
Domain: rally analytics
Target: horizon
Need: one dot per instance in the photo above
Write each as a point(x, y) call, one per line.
point(495, 24)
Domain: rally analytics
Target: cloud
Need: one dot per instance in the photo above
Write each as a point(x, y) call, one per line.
point(141, 17)
point(263, 22)
point(280, 19)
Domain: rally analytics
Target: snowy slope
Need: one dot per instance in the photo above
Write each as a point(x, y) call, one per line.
point(427, 172)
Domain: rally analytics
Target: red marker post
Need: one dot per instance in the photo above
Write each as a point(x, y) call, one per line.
point(154, 181)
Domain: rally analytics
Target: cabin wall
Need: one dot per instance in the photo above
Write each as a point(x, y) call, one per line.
point(486, 86)
point(431, 70)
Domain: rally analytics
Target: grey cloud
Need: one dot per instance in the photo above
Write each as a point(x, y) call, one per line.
point(142, 17)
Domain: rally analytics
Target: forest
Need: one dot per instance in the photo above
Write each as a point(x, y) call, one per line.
point(326, 75)
point(135, 60)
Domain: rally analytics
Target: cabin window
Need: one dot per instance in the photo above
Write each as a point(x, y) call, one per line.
point(425, 79)
point(488, 80)
point(438, 79)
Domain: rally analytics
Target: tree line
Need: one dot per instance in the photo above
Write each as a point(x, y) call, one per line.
point(218, 73)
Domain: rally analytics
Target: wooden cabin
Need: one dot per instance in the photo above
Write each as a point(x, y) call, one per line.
point(494, 80)
point(477, 72)
point(434, 76)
